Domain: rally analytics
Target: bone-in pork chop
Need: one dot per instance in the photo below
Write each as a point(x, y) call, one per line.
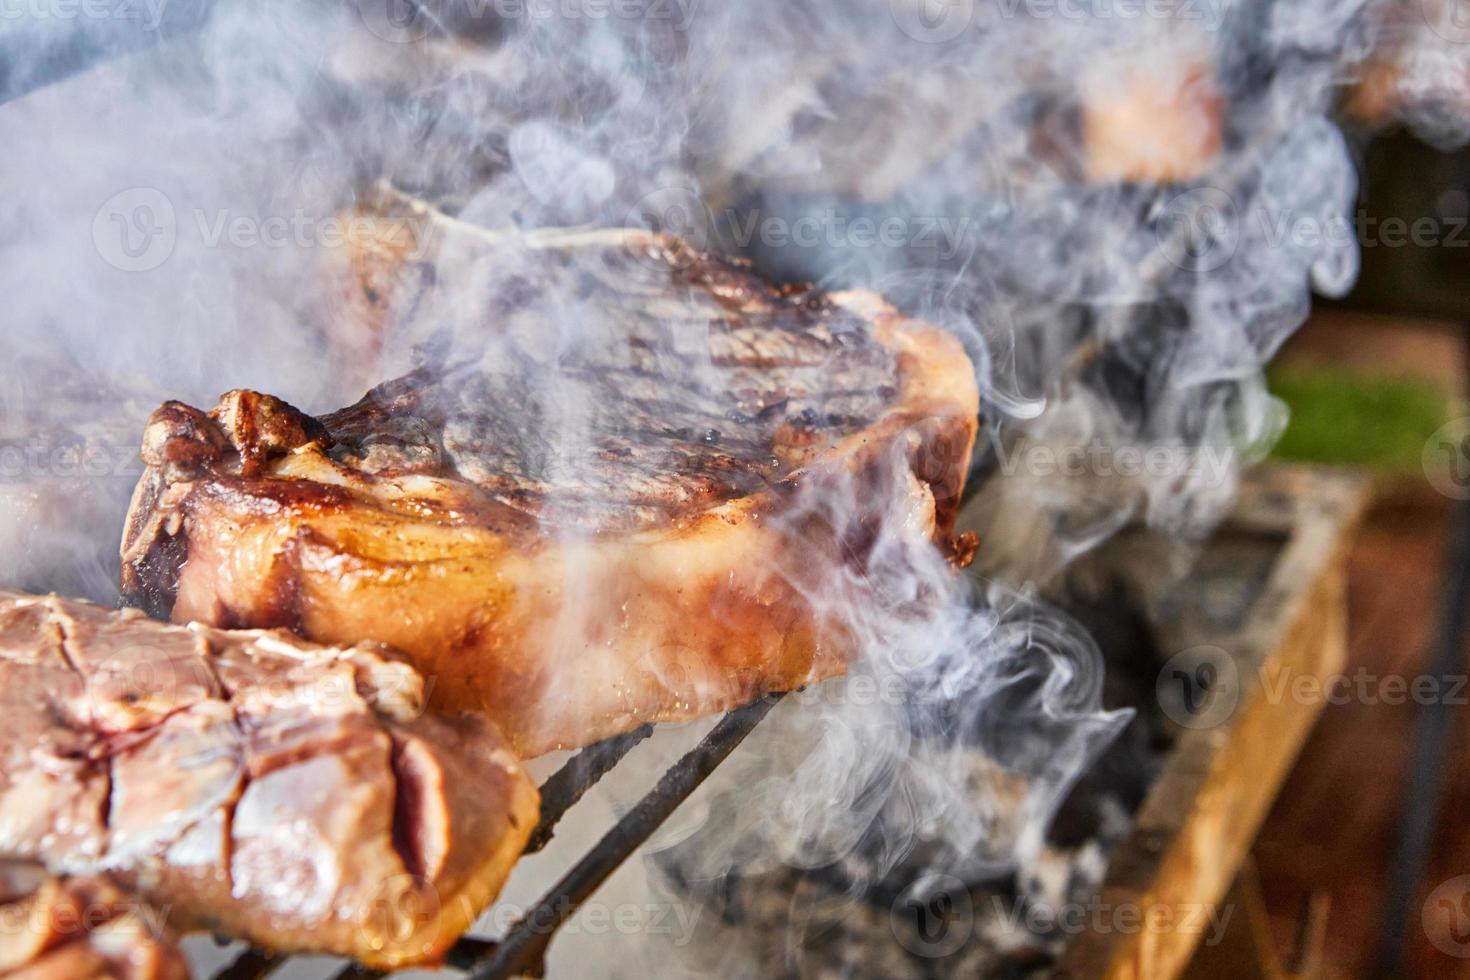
point(633, 483)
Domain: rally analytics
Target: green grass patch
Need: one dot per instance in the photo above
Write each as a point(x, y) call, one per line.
point(1345, 418)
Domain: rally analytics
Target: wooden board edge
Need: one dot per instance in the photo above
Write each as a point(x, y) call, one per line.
point(1197, 824)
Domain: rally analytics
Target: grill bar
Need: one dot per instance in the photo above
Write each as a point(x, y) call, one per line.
point(250, 965)
point(523, 951)
point(572, 781)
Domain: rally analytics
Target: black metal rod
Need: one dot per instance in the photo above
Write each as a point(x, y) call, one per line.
point(1424, 789)
point(250, 965)
point(572, 781)
point(470, 952)
point(523, 951)
point(356, 971)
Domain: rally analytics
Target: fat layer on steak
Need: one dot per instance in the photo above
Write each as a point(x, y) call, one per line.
point(628, 486)
point(289, 794)
point(82, 928)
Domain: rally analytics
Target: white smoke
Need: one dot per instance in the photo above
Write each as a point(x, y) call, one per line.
point(1108, 210)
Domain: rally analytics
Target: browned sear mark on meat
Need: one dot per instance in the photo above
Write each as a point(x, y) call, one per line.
point(250, 782)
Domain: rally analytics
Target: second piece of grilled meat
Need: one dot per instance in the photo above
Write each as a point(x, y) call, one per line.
point(252, 784)
point(79, 929)
point(649, 496)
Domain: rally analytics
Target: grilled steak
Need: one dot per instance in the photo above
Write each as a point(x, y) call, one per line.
point(79, 929)
point(285, 793)
point(629, 503)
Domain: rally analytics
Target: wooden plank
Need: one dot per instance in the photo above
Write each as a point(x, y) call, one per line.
point(1198, 823)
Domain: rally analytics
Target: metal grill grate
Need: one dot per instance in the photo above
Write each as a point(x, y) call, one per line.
point(522, 952)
